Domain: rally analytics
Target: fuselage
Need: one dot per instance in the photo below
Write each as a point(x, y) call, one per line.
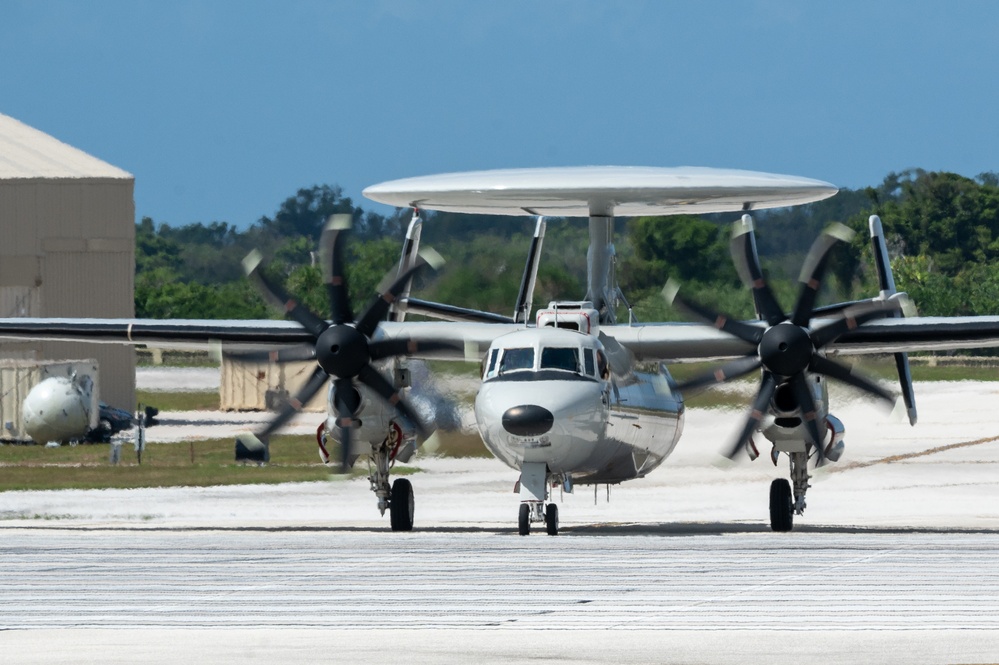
point(548, 395)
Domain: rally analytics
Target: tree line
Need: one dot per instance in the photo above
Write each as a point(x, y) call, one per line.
point(942, 230)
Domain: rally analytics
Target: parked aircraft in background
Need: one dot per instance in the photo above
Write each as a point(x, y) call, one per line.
point(572, 397)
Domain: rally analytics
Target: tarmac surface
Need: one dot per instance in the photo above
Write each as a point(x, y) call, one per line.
point(895, 560)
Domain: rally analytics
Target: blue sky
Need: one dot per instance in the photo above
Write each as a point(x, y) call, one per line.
point(224, 109)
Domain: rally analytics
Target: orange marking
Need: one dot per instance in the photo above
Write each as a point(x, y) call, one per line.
point(394, 399)
point(759, 284)
point(813, 284)
point(720, 322)
point(290, 305)
point(295, 403)
point(412, 346)
point(336, 280)
point(719, 375)
point(810, 416)
point(388, 297)
point(851, 322)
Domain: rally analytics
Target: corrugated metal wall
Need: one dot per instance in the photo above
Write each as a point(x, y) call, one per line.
point(71, 244)
point(244, 385)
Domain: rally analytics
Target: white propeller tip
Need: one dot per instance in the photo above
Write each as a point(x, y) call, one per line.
point(339, 222)
point(252, 260)
point(841, 232)
point(432, 444)
point(434, 259)
point(670, 290)
point(742, 226)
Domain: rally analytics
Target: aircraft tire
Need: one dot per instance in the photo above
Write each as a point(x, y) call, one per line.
point(524, 521)
point(781, 506)
point(402, 505)
point(551, 519)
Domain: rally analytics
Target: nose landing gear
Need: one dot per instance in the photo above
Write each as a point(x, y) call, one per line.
point(534, 482)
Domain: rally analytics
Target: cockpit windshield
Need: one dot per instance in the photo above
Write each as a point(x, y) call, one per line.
point(563, 358)
point(515, 359)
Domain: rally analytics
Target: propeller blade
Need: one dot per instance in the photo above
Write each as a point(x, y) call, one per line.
point(404, 346)
point(522, 308)
point(851, 318)
point(744, 331)
point(370, 377)
point(294, 354)
point(767, 387)
point(747, 264)
point(295, 404)
point(809, 412)
point(331, 259)
point(841, 372)
point(279, 298)
point(726, 372)
point(814, 269)
point(387, 294)
point(410, 249)
point(905, 382)
point(345, 402)
point(887, 283)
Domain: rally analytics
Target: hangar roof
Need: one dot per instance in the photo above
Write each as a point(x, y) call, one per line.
point(26, 153)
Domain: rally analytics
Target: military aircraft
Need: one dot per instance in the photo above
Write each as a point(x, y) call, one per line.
point(573, 397)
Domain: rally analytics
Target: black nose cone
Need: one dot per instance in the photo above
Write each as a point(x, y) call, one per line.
point(528, 420)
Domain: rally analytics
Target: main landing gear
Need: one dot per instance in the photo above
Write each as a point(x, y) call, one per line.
point(534, 482)
point(399, 498)
point(784, 504)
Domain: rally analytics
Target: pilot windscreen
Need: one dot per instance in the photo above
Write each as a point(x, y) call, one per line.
point(560, 358)
point(514, 359)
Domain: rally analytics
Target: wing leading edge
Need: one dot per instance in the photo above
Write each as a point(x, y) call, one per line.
point(666, 342)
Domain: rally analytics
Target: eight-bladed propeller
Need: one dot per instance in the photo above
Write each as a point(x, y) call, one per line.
point(343, 348)
point(787, 347)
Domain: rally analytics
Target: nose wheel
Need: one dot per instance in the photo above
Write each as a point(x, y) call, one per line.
point(531, 511)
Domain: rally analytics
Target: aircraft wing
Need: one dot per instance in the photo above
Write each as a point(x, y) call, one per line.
point(667, 342)
point(466, 338)
point(689, 342)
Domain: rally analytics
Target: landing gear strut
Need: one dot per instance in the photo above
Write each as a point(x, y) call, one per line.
point(397, 499)
point(784, 504)
point(534, 482)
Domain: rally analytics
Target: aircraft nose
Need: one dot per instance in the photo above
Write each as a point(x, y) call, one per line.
point(528, 420)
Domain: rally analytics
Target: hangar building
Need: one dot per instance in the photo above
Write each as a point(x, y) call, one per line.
point(67, 248)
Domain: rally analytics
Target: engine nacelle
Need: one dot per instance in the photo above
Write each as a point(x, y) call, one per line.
point(835, 447)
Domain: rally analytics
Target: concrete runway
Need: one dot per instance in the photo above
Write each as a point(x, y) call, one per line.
point(895, 561)
point(705, 593)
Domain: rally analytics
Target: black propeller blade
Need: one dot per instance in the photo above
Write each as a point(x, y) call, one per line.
point(887, 283)
point(344, 349)
point(788, 349)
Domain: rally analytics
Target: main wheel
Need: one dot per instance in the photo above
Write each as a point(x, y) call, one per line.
point(524, 521)
point(402, 505)
point(781, 505)
point(551, 519)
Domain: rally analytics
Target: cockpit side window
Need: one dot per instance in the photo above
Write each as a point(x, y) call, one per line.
point(491, 367)
point(515, 359)
point(588, 362)
point(564, 358)
point(602, 366)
